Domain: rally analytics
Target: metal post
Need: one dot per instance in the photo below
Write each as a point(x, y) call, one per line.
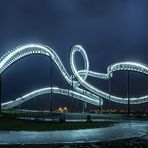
point(77, 108)
point(34, 102)
point(128, 93)
point(109, 90)
point(0, 92)
point(101, 107)
point(72, 96)
point(51, 88)
point(69, 97)
point(85, 105)
point(70, 86)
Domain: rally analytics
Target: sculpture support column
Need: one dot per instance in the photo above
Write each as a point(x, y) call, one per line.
point(109, 92)
point(0, 92)
point(128, 93)
point(51, 87)
point(72, 94)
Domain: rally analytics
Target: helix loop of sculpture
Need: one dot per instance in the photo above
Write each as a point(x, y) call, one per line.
point(89, 93)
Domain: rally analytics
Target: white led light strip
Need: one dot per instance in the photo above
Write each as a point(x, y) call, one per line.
point(90, 94)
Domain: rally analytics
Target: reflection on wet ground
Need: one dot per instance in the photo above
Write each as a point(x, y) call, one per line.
point(126, 129)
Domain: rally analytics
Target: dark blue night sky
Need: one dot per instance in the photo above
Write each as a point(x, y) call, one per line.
point(110, 31)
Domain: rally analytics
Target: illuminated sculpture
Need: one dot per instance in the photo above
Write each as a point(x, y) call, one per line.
point(90, 95)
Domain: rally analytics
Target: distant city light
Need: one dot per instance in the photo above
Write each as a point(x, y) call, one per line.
point(62, 109)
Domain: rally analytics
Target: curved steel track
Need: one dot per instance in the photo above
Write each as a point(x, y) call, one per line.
point(90, 94)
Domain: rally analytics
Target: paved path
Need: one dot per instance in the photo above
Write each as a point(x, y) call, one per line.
point(126, 129)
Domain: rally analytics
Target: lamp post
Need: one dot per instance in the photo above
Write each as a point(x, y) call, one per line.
point(34, 102)
point(128, 93)
point(72, 95)
point(109, 90)
point(69, 96)
point(0, 92)
point(51, 87)
point(83, 107)
point(84, 103)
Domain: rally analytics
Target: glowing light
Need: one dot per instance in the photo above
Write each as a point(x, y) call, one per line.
point(91, 94)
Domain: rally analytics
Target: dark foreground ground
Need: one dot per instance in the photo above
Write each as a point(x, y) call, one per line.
point(124, 143)
point(7, 124)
